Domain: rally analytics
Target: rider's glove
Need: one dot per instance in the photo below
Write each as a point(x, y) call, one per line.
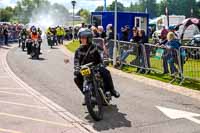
point(76, 72)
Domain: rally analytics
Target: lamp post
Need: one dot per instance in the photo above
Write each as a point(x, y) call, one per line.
point(104, 8)
point(115, 37)
point(192, 12)
point(167, 13)
point(73, 4)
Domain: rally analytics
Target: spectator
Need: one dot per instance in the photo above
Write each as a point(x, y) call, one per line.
point(5, 33)
point(173, 45)
point(83, 25)
point(140, 52)
point(173, 29)
point(163, 43)
point(95, 32)
point(135, 39)
point(164, 33)
point(110, 36)
point(125, 33)
point(101, 32)
point(165, 56)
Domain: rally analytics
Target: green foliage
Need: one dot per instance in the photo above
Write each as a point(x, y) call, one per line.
point(72, 46)
point(6, 14)
point(85, 14)
point(177, 7)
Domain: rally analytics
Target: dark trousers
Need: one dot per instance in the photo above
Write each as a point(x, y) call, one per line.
point(6, 39)
point(165, 63)
point(107, 79)
point(60, 39)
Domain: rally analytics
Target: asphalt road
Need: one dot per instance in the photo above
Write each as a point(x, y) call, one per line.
point(134, 112)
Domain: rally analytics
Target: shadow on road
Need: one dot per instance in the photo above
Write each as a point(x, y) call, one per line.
point(54, 48)
point(112, 119)
point(40, 59)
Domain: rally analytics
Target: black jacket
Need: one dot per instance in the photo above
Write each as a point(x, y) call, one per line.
point(93, 56)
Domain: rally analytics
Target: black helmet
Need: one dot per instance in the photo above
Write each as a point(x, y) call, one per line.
point(83, 32)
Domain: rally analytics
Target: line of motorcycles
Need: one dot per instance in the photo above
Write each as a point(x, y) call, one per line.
point(32, 46)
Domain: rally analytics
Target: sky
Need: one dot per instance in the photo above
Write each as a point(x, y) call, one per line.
point(86, 4)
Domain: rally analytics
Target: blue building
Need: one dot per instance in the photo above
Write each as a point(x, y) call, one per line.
point(139, 20)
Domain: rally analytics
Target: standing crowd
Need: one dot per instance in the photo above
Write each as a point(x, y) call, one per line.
point(9, 33)
point(138, 40)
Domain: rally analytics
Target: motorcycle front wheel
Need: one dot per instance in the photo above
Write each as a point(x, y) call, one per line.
point(94, 105)
point(23, 46)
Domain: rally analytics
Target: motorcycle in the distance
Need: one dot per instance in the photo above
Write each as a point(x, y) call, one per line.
point(23, 41)
point(93, 89)
point(35, 50)
point(29, 43)
point(50, 40)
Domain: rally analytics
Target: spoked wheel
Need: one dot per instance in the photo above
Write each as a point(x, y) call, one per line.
point(94, 105)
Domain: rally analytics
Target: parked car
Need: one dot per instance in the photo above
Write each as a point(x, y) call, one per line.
point(195, 41)
point(194, 52)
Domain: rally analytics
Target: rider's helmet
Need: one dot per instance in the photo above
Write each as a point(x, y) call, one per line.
point(24, 29)
point(84, 32)
point(34, 30)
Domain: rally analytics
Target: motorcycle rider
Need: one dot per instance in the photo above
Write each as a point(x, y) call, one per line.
point(88, 53)
point(39, 31)
point(22, 33)
point(49, 35)
point(35, 36)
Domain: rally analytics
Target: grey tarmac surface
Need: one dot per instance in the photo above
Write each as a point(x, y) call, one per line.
point(23, 112)
point(134, 112)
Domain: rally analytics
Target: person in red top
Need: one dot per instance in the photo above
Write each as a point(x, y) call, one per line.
point(35, 36)
point(164, 33)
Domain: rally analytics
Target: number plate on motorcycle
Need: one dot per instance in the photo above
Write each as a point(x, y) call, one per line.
point(85, 72)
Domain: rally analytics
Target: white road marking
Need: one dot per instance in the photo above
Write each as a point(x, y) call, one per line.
point(9, 131)
point(179, 114)
point(25, 105)
point(6, 88)
point(36, 120)
point(17, 94)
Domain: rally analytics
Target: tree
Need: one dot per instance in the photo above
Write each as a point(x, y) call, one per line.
point(84, 14)
point(99, 8)
point(6, 14)
point(120, 7)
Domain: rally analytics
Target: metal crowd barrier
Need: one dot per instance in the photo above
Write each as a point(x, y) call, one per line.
point(100, 43)
point(132, 54)
point(190, 66)
point(183, 63)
